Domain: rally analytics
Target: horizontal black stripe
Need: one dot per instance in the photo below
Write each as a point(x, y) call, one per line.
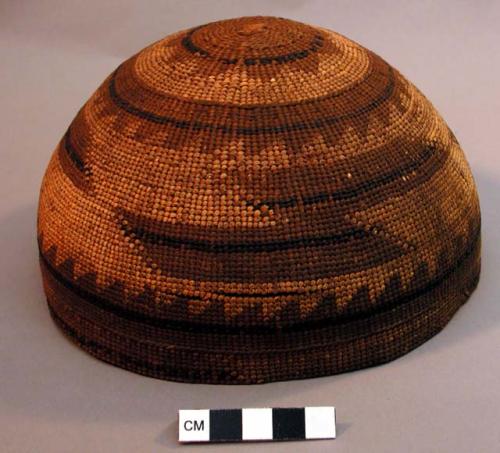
point(197, 327)
point(72, 154)
point(314, 45)
point(248, 131)
point(175, 372)
point(243, 247)
point(153, 238)
point(356, 190)
point(190, 46)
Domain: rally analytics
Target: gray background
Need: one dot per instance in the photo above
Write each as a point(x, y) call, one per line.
point(442, 397)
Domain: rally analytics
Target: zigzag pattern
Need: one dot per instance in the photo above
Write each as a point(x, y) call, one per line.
point(199, 310)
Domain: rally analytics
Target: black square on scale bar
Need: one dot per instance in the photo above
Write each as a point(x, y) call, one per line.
point(225, 425)
point(289, 423)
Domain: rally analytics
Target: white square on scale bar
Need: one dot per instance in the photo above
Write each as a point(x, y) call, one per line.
point(320, 422)
point(257, 424)
point(194, 425)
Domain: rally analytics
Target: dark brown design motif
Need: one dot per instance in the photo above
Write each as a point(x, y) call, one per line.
point(254, 200)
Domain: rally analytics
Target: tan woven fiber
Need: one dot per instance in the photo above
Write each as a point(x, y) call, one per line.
point(255, 200)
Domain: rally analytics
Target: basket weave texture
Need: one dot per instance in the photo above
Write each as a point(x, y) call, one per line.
point(254, 200)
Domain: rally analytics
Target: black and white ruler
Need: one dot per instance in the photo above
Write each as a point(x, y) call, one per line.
point(254, 424)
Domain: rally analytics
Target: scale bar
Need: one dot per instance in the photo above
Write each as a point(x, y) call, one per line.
point(257, 424)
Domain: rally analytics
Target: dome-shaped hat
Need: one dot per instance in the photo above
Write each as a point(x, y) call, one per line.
point(255, 200)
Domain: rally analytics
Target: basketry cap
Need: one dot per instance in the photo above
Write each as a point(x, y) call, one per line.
point(254, 200)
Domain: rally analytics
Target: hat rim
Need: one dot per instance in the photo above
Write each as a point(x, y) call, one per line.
point(222, 358)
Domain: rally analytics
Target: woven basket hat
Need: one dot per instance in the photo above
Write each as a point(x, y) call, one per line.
point(254, 200)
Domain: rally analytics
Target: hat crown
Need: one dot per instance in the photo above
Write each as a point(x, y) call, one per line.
point(253, 61)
